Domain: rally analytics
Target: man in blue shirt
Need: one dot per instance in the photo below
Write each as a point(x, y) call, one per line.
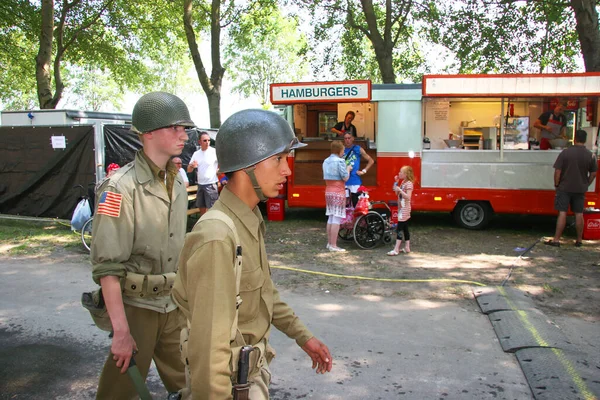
point(353, 154)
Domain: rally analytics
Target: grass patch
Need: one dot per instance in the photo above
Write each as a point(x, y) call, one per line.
point(29, 237)
point(551, 289)
point(457, 291)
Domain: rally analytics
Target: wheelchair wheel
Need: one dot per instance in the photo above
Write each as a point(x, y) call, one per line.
point(369, 230)
point(345, 233)
point(86, 234)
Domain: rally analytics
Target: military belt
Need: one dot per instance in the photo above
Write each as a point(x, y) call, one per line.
point(138, 285)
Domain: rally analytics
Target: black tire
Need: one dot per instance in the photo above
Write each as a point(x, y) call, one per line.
point(86, 234)
point(369, 230)
point(345, 234)
point(473, 215)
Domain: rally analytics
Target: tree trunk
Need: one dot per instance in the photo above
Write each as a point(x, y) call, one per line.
point(382, 45)
point(212, 85)
point(214, 108)
point(386, 67)
point(586, 16)
point(44, 57)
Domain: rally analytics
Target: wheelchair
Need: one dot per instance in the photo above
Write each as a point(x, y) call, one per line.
point(369, 229)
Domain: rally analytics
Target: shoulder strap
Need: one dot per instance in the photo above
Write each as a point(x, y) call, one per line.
point(347, 155)
point(237, 267)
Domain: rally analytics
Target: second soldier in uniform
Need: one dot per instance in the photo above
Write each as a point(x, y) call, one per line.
point(205, 288)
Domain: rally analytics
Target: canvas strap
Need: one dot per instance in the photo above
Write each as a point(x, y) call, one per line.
point(235, 334)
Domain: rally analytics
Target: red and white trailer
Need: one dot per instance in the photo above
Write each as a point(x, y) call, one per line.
point(489, 169)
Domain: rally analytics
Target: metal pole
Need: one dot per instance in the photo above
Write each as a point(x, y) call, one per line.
point(99, 150)
point(502, 129)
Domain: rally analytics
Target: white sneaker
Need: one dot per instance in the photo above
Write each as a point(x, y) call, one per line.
point(328, 246)
point(336, 249)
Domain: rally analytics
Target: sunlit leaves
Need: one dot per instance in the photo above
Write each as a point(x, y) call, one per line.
point(135, 44)
point(367, 39)
point(508, 36)
point(264, 47)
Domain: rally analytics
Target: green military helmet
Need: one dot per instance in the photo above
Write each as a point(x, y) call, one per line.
point(158, 110)
point(251, 136)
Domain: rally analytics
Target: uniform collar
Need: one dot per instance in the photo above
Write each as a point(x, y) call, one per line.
point(251, 219)
point(147, 171)
point(152, 170)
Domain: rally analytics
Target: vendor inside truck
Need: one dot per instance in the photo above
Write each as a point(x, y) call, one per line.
point(551, 125)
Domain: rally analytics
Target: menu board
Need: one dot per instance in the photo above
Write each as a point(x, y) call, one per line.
point(437, 122)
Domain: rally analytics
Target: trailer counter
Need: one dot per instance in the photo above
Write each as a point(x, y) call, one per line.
point(484, 169)
point(308, 162)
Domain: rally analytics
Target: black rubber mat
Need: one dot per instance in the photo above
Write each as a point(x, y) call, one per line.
point(527, 328)
point(558, 374)
point(493, 302)
point(508, 291)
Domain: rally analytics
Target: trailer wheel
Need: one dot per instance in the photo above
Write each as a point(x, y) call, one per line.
point(472, 214)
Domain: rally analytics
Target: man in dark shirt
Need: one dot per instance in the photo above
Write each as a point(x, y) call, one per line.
point(346, 125)
point(551, 125)
point(574, 171)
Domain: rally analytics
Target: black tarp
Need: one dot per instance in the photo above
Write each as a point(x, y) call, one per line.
point(120, 145)
point(37, 180)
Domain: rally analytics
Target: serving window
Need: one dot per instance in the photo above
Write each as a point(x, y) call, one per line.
point(312, 125)
point(476, 123)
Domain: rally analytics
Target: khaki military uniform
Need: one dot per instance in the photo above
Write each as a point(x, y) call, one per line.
point(205, 291)
point(140, 243)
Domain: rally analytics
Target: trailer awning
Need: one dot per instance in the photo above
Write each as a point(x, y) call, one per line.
point(514, 85)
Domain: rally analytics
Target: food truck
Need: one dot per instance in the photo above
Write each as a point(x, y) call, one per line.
point(470, 139)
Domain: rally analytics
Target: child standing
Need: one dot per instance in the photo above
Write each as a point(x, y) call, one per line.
point(403, 187)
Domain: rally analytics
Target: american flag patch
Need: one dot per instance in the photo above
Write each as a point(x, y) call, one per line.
point(110, 204)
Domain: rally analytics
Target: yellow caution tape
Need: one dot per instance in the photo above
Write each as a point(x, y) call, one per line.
point(367, 278)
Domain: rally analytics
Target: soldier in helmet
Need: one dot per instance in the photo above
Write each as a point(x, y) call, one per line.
point(138, 232)
point(205, 287)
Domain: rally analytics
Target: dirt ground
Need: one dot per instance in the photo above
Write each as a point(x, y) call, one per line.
point(563, 280)
point(446, 262)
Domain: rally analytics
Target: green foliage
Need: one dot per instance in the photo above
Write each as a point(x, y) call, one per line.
point(352, 43)
point(508, 37)
point(134, 46)
point(264, 48)
point(17, 54)
point(92, 90)
point(343, 33)
point(477, 36)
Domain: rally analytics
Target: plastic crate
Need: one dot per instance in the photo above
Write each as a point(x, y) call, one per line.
point(394, 214)
point(591, 225)
point(275, 209)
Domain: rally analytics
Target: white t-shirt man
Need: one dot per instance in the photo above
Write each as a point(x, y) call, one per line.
point(184, 177)
point(207, 165)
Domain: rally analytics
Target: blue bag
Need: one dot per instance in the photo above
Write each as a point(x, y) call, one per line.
point(82, 213)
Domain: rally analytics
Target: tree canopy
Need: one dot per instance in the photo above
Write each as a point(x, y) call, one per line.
point(49, 49)
point(18, 19)
point(368, 36)
point(389, 40)
point(127, 41)
point(508, 36)
point(264, 48)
